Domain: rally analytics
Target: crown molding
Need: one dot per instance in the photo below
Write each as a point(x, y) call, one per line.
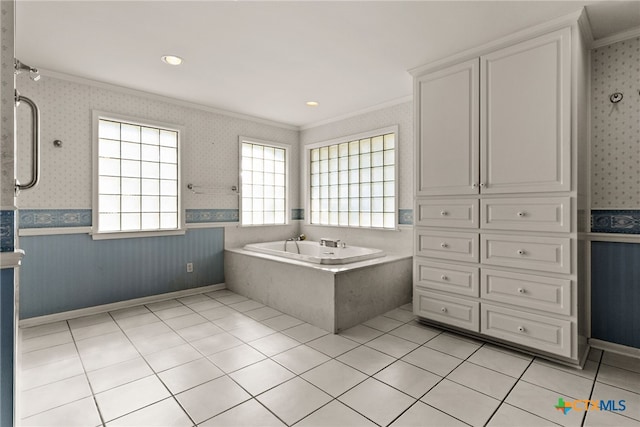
point(615, 38)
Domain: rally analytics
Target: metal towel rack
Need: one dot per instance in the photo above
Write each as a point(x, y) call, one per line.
point(35, 161)
point(198, 189)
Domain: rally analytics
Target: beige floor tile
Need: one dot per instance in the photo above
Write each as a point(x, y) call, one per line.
point(246, 306)
point(606, 419)
point(45, 341)
point(606, 392)
point(190, 375)
point(335, 414)
point(118, 374)
point(198, 332)
point(377, 401)
point(50, 373)
point(510, 416)
point(621, 361)
point(81, 413)
point(248, 414)
point(558, 381)
point(129, 311)
point(366, 360)
point(453, 346)
point(251, 332)
point(304, 332)
point(171, 357)
point(166, 413)
point(281, 322)
point(499, 361)
point(432, 360)
point(334, 377)
point(294, 400)
point(163, 305)
point(170, 313)
point(392, 345)
point(50, 396)
point(408, 378)
point(333, 345)
point(361, 334)
point(423, 415)
point(300, 359)
point(181, 322)
point(382, 323)
point(400, 315)
point(236, 358)
point(130, 397)
point(482, 379)
point(216, 343)
point(148, 345)
point(416, 334)
point(261, 376)
point(263, 313)
point(542, 402)
point(37, 331)
point(212, 398)
point(48, 355)
point(461, 402)
point(136, 321)
point(274, 344)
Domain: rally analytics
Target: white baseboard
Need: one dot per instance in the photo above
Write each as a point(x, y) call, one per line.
point(66, 315)
point(615, 348)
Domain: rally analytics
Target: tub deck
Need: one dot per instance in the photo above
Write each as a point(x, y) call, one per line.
point(331, 297)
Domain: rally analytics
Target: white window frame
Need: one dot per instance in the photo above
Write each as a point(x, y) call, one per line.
point(95, 233)
point(287, 171)
point(306, 171)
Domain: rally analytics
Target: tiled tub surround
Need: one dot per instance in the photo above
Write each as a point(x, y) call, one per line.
point(332, 298)
point(219, 359)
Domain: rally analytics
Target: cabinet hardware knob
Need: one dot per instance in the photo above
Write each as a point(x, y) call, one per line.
point(443, 309)
point(520, 328)
point(443, 277)
point(521, 214)
point(474, 185)
point(521, 290)
point(444, 245)
point(520, 251)
point(444, 213)
point(482, 184)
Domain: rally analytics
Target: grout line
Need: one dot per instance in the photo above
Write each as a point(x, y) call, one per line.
point(502, 402)
point(593, 385)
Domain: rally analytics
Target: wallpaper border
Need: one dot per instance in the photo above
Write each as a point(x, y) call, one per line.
point(622, 221)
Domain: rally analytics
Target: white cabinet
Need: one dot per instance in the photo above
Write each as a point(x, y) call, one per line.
point(496, 248)
point(518, 100)
point(448, 112)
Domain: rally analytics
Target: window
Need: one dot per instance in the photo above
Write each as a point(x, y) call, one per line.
point(137, 176)
point(263, 172)
point(353, 181)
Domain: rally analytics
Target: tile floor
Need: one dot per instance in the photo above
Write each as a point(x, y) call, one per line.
point(219, 359)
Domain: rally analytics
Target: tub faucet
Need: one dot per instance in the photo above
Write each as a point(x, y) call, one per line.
point(294, 240)
point(330, 243)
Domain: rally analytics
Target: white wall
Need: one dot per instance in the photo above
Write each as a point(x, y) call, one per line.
point(400, 241)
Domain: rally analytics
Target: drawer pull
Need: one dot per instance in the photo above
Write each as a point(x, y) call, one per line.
point(444, 213)
point(521, 290)
point(443, 309)
point(521, 214)
point(520, 252)
point(521, 329)
point(443, 277)
point(444, 245)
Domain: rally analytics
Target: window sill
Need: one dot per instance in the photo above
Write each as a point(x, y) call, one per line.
point(136, 234)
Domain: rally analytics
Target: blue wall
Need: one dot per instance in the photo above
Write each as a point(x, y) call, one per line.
point(72, 271)
point(615, 292)
point(6, 346)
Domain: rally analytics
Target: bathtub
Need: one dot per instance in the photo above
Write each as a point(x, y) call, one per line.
point(313, 288)
point(314, 253)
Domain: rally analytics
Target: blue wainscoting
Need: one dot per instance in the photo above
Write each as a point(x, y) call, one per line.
point(73, 271)
point(7, 319)
point(615, 292)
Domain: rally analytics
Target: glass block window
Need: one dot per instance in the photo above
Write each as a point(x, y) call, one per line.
point(138, 186)
point(264, 183)
point(353, 183)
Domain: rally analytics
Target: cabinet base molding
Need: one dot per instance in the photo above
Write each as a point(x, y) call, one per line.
point(577, 363)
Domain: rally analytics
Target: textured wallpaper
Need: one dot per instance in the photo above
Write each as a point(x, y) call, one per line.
point(615, 128)
point(209, 144)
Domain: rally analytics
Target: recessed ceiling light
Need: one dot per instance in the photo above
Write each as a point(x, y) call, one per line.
point(312, 103)
point(171, 60)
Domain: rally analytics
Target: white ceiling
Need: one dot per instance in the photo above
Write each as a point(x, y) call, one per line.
point(266, 59)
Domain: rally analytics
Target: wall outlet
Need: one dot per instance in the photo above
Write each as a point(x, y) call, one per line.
point(189, 267)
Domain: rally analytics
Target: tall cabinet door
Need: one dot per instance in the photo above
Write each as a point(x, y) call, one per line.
point(526, 116)
point(447, 116)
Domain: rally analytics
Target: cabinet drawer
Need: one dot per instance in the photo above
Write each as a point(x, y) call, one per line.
point(534, 253)
point(539, 332)
point(458, 279)
point(535, 214)
point(446, 309)
point(447, 245)
point(536, 292)
point(447, 213)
